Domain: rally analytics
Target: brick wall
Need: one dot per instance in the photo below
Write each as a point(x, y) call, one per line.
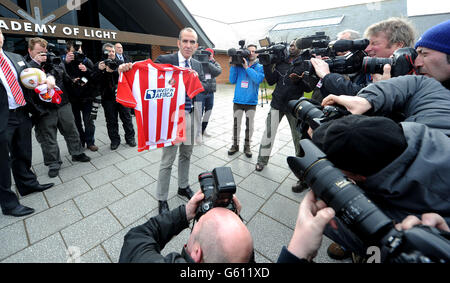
point(156, 51)
point(224, 62)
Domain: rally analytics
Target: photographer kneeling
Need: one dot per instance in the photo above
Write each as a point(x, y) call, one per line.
point(209, 242)
point(402, 168)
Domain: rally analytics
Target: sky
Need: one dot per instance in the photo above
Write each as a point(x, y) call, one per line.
point(231, 11)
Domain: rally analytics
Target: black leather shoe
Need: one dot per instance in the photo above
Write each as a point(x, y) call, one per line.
point(81, 158)
point(114, 146)
point(52, 173)
point(19, 211)
point(39, 189)
point(186, 193)
point(131, 143)
point(163, 207)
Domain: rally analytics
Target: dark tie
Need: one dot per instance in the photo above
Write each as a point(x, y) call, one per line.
point(12, 81)
point(187, 64)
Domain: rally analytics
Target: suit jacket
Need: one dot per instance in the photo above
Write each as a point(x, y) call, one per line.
point(126, 58)
point(173, 60)
point(19, 65)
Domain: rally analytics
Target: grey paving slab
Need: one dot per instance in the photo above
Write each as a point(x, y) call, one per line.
point(250, 203)
point(103, 176)
point(133, 182)
point(259, 185)
point(114, 244)
point(76, 171)
point(97, 199)
point(133, 164)
point(241, 167)
point(210, 162)
point(52, 220)
point(133, 207)
point(274, 173)
point(91, 231)
point(202, 151)
point(287, 215)
point(264, 230)
point(285, 189)
point(173, 188)
point(66, 191)
point(96, 255)
point(36, 201)
point(14, 239)
point(129, 152)
point(50, 250)
point(153, 156)
point(45, 179)
point(107, 160)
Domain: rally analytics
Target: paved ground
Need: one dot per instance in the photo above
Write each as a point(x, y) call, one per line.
point(93, 205)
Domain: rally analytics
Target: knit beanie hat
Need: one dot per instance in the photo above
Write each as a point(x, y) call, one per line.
point(360, 144)
point(437, 38)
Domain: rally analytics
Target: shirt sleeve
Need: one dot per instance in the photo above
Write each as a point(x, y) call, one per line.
point(193, 84)
point(125, 89)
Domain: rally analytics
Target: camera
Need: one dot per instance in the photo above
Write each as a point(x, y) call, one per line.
point(272, 53)
point(203, 56)
point(237, 56)
point(218, 187)
point(52, 58)
point(419, 244)
point(347, 64)
point(313, 115)
point(95, 106)
point(113, 64)
point(402, 63)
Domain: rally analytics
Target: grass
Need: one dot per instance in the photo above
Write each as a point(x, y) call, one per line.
point(270, 90)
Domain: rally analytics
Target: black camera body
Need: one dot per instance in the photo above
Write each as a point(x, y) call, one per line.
point(113, 64)
point(273, 53)
point(218, 187)
point(363, 217)
point(237, 56)
point(314, 115)
point(203, 56)
point(402, 63)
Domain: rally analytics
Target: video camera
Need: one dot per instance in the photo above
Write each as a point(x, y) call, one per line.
point(402, 63)
point(350, 63)
point(203, 56)
point(218, 187)
point(419, 245)
point(272, 53)
point(237, 56)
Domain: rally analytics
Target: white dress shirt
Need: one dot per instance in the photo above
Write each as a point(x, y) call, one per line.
point(11, 101)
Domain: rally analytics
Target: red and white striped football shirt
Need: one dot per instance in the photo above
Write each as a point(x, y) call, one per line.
point(157, 94)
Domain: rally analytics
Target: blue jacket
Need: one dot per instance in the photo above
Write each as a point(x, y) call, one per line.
point(252, 77)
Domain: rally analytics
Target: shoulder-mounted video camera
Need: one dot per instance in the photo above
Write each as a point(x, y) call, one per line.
point(237, 56)
point(272, 53)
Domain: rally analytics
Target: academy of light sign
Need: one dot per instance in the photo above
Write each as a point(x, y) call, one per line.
point(56, 30)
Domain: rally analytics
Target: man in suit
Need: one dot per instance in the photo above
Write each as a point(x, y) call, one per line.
point(120, 55)
point(187, 45)
point(15, 134)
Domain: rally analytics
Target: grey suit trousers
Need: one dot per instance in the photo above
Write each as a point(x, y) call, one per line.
point(184, 162)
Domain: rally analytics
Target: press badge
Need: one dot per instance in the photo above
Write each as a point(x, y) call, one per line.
point(244, 84)
point(21, 63)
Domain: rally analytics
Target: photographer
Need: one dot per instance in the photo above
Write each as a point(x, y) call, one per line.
point(385, 38)
point(433, 50)
point(285, 91)
point(107, 77)
point(209, 242)
point(59, 116)
point(247, 78)
point(417, 98)
point(206, 99)
point(402, 168)
point(313, 216)
point(82, 94)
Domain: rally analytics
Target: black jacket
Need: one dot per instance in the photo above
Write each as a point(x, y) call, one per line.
point(61, 79)
point(286, 89)
point(79, 93)
point(339, 85)
point(214, 69)
point(420, 99)
point(106, 83)
point(143, 244)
